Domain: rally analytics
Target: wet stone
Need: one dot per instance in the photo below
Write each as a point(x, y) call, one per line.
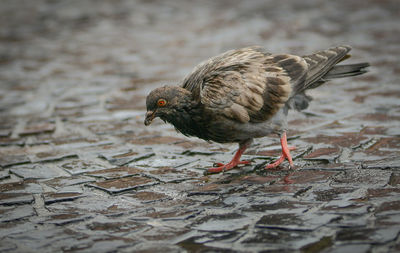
point(280, 205)
point(38, 128)
point(16, 226)
point(173, 215)
point(344, 140)
point(394, 179)
point(6, 141)
point(149, 196)
point(62, 219)
point(109, 244)
point(346, 208)
point(377, 194)
point(30, 186)
point(114, 186)
point(382, 164)
point(4, 174)
point(362, 177)
point(276, 239)
point(7, 246)
point(65, 182)
point(5, 132)
point(73, 102)
point(125, 157)
point(295, 221)
point(39, 239)
point(50, 198)
point(377, 235)
point(148, 140)
point(52, 157)
point(226, 222)
point(111, 226)
point(10, 160)
point(37, 171)
point(264, 179)
point(331, 194)
point(16, 213)
point(174, 161)
point(163, 234)
point(13, 186)
point(76, 167)
point(201, 242)
point(208, 189)
point(114, 173)
point(171, 175)
point(390, 207)
point(15, 198)
point(310, 176)
point(388, 220)
point(354, 248)
point(352, 221)
point(324, 154)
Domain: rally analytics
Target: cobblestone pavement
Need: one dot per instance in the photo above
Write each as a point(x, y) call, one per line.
point(81, 173)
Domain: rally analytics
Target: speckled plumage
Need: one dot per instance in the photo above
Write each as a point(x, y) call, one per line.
point(246, 93)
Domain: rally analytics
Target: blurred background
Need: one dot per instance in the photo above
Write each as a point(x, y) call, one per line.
point(113, 43)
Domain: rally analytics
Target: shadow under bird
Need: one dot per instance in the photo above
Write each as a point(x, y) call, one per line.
point(246, 93)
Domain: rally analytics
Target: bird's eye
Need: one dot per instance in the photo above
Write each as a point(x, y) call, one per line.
point(161, 102)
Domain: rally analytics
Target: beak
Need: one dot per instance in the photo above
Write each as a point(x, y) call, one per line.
point(150, 115)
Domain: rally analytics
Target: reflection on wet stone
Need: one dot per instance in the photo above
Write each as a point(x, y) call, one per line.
point(50, 198)
point(118, 172)
point(15, 198)
point(16, 213)
point(9, 160)
point(123, 184)
point(125, 157)
point(37, 171)
point(79, 171)
point(76, 167)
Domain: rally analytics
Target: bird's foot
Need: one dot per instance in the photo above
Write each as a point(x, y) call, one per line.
point(235, 160)
point(224, 167)
point(284, 155)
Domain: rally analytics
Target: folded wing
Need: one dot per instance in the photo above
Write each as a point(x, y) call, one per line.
point(246, 85)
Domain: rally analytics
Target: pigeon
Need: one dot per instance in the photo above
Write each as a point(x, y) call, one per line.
point(246, 93)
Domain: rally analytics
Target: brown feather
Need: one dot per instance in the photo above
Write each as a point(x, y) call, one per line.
point(247, 84)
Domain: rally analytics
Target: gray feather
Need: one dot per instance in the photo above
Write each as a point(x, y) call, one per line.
point(320, 63)
point(339, 71)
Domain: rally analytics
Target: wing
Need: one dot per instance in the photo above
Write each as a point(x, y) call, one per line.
point(246, 85)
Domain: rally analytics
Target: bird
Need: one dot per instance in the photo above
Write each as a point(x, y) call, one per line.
point(246, 93)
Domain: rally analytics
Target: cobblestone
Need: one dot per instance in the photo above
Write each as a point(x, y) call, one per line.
point(79, 171)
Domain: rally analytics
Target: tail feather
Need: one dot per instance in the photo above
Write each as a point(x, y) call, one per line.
point(321, 62)
point(321, 67)
point(339, 71)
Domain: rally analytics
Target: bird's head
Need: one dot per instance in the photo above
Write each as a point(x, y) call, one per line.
point(164, 102)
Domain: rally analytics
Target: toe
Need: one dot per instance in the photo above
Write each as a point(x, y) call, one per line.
point(216, 169)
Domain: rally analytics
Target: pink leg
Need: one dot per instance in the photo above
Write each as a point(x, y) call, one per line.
point(235, 160)
point(285, 154)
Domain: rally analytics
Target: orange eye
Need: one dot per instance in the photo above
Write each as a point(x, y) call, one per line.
point(161, 102)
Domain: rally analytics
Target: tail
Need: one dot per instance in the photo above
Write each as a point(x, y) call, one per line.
point(321, 67)
point(339, 71)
